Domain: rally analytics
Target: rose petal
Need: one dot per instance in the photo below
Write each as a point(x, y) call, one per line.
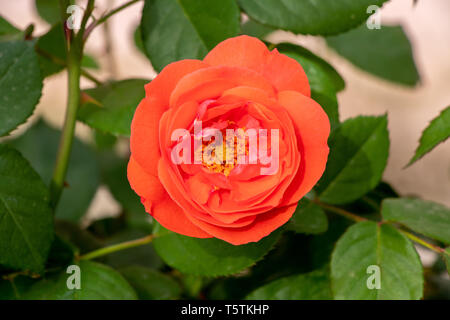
point(183, 198)
point(195, 86)
point(163, 85)
point(242, 51)
point(199, 190)
point(285, 73)
point(144, 142)
point(263, 225)
point(172, 217)
point(144, 184)
point(312, 129)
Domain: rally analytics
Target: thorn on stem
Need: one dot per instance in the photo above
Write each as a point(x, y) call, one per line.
point(28, 33)
point(86, 98)
point(67, 32)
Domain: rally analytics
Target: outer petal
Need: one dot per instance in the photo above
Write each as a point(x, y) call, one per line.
point(263, 225)
point(209, 83)
point(144, 184)
point(158, 203)
point(248, 52)
point(163, 85)
point(312, 129)
point(144, 141)
point(242, 51)
point(172, 217)
point(286, 73)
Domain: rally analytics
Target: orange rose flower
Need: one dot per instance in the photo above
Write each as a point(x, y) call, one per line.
point(240, 85)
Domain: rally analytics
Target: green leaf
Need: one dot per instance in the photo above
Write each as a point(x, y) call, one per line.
point(446, 256)
point(62, 253)
point(114, 175)
point(89, 62)
point(49, 10)
point(208, 257)
point(310, 286)
point(324, 17)
point(371, 202)
point(324, 80)
point(98, 282)
point(308, 218)
point(255, 29)
point(368, 244)
point(74, 235)
point(144, 256)
point(26, 228)
point(20, 83)
point(437, 132)
point(7, 290)
point(290, 256)
point(104, 141)
point(150, 284)
point(186, 29)
point(52, 52)
point(358, 154)
point(14, 289)
point(8, 32)
point(321, 246)
point(137, 36)
point(425, 217)
point(315, 67)
point(118, 102)
point(328, 101)
point(106, 227)
point(384, 52)
point(369, 205)
point(193, 285)
point(39, 144)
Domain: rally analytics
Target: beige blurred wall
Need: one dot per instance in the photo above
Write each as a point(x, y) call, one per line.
point(409, 110)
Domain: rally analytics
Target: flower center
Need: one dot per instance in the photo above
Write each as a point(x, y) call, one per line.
point(223, 156)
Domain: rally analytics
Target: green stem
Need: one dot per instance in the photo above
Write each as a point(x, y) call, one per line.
point(114, 11)
point(63, 63)
point(90, 77)
point(117, 247)
point(109, 53)
point(107, 16)
point(341, 212)
point(356, 218)
point(86, 16)
point(65, 145)
point(74, 56)
point(371, 203)
point(423, 242)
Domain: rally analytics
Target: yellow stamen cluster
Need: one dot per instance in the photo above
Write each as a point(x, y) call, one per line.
point(215, 159)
